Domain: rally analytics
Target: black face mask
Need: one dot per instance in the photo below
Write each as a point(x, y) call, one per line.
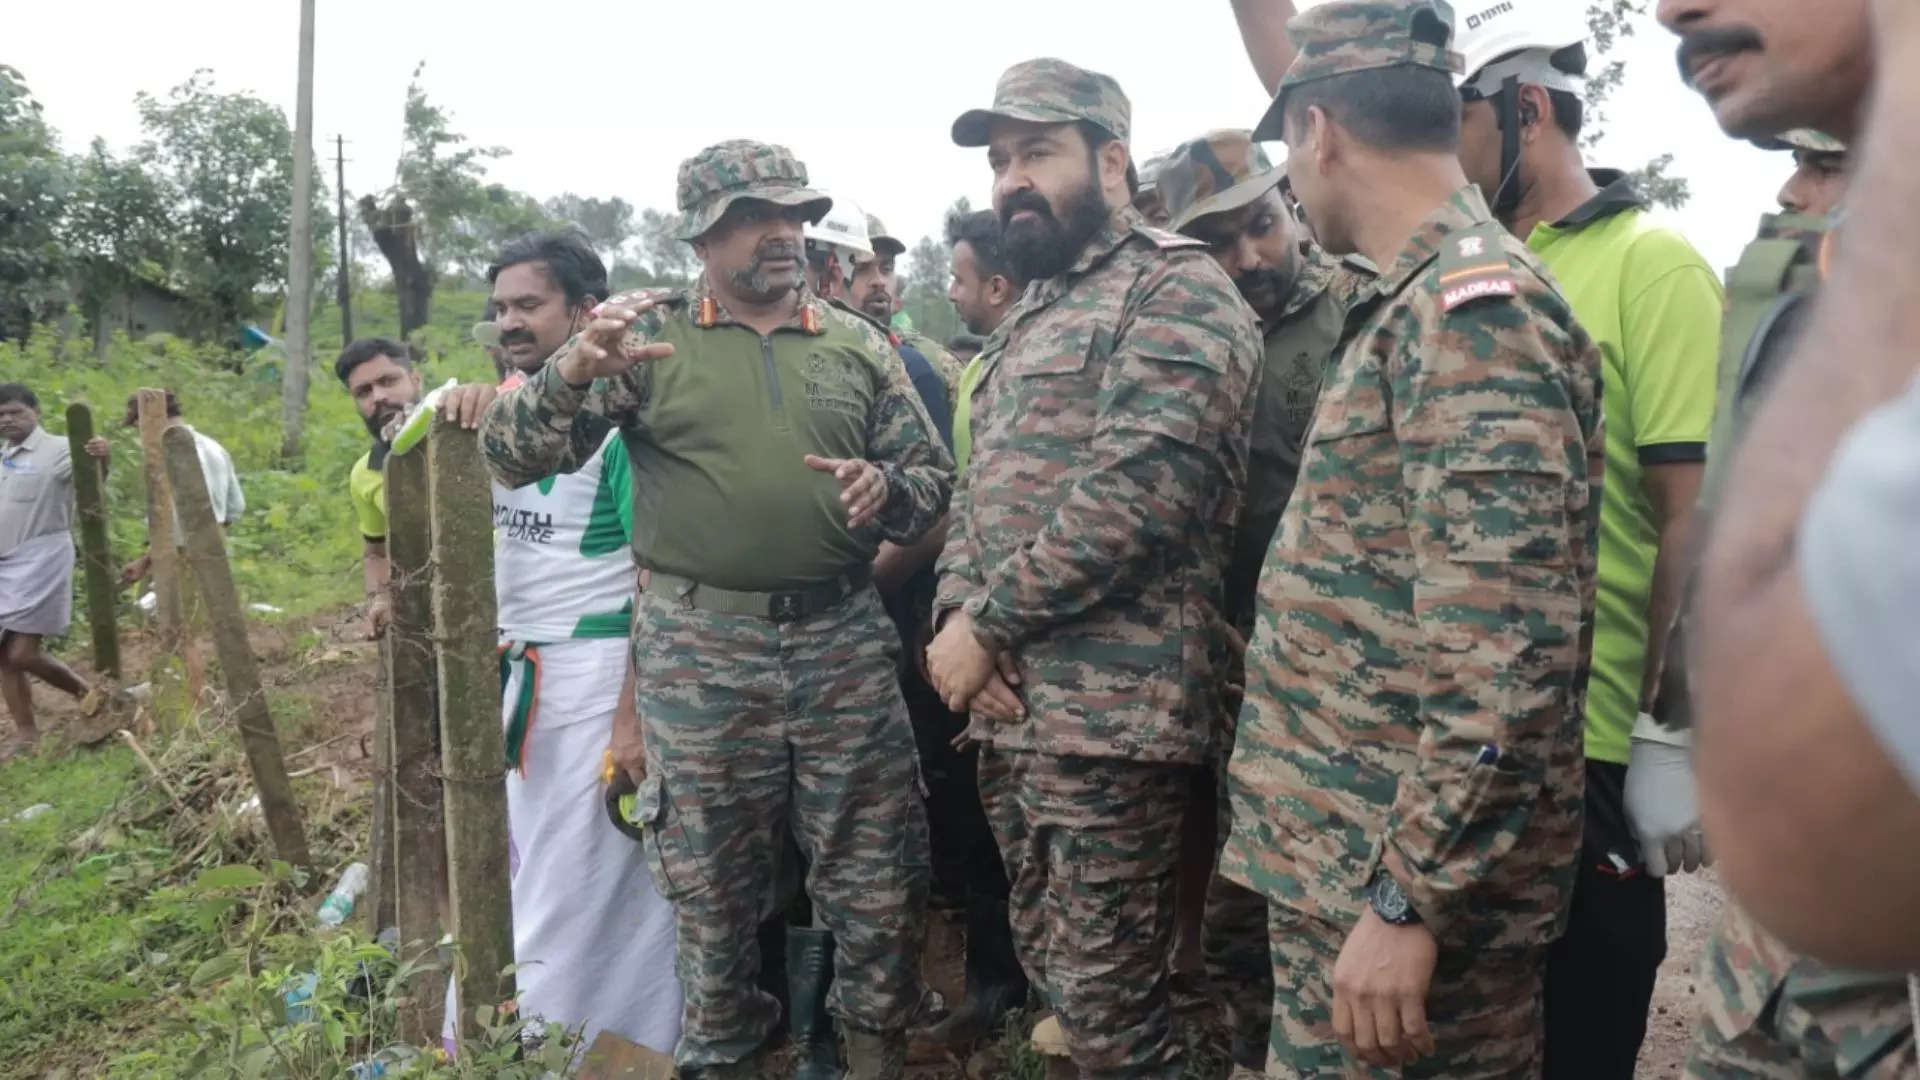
point(1046, 246)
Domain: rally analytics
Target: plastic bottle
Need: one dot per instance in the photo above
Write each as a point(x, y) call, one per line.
point(420, 419)
point(339, 903)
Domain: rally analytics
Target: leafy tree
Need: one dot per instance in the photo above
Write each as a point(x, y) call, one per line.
point(608, 223)
point(929, 267)
point(1609, 21)
point(226, 161)
point(669, 260)
point(119, 228)
point(34, 183)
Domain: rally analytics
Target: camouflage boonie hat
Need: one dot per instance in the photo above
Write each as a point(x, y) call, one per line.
point(883, 242)
point(1220, 171)
point(1361, 35)
point(1813, 142)
point(1048, 91)
point(724, 173)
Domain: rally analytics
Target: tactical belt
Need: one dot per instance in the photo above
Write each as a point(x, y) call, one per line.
point(784, 606)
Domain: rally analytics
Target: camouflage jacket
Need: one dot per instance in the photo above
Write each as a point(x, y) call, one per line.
point(1415, 680)
point(1302, 342)
point(1110, 427)
point(717, 432)
point(937, 355)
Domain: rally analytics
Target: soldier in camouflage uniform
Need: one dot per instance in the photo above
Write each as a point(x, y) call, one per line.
point(774, 444)
point(1406, 780)
point(1083, 569)
point(1221, 189)
point(1146, 194)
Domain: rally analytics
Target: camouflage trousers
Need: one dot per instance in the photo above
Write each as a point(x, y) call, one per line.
point(1239, 958)
point(1091, 846)
point(1484, 1009)
point(753, 725)
point(1812, 1020)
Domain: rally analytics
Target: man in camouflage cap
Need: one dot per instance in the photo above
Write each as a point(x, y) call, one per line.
point(1080, 589)
point(1221, 189)
point(1820, 175)
point(1146, 197)
point(1406, 778)
point(774, 443)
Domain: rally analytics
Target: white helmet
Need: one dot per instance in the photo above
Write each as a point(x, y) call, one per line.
point(1527, 33)
point(844, 227)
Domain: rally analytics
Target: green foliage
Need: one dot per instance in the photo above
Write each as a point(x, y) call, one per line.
point(227, 163)
point(928, 272)
point(34, 183)
point(119, 226)
point(1608, 21)
point(607, 223)
point(293, 1004)
point(296, 546)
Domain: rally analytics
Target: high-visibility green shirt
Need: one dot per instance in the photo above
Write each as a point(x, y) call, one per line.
point(367, 490)
point(963, 416)
point(1654, 306)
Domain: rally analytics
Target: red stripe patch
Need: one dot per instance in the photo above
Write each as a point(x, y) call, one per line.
point(1474, 290)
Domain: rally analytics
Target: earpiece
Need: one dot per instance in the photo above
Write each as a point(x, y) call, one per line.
point(1529, 115)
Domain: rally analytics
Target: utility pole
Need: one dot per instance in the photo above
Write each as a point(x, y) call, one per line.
point(346, 258)
point(293, 378)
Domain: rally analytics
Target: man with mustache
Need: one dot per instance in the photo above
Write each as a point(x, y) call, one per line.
point(596, 949)
point(1221, 189)
point(1653, 304)
point(1765, 686)
point(379, 375)
point(773, 444)
point(1080, 596)
point(1406, 778)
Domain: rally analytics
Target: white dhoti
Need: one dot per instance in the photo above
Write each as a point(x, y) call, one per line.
point(36, 586)
point(593, 943)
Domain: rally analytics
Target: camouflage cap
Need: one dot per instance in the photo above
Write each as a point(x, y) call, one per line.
point(1813, 142)
point(1217, 172)
point(884, 242)
point(717, 177)
point(1360, 35)
point(1048, 91)
point(1150, 172)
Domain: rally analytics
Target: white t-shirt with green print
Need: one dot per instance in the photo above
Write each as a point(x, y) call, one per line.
point(562, 552)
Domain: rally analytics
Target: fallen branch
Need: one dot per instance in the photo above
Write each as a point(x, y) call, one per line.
point(152, 768)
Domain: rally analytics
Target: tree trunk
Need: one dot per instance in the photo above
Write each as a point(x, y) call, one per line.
point(398, 237)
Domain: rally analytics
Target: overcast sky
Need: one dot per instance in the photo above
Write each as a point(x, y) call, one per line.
point(607, 99)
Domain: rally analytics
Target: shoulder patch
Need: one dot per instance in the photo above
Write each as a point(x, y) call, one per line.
point(1166, 239)
point(1472, 265)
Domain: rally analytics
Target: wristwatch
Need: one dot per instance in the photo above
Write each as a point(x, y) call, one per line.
point(1389, 901)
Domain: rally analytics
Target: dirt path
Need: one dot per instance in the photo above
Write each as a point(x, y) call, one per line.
point(1693, 907)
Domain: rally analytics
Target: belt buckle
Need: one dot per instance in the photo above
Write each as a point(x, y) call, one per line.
point(785, 607)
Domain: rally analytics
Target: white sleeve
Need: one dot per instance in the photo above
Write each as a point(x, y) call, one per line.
point(1858, 558)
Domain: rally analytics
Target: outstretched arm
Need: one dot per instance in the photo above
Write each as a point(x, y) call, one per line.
point(1263, 30)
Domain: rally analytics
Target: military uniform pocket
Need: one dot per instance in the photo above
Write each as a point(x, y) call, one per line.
point(670, 855)
point(1504, 498)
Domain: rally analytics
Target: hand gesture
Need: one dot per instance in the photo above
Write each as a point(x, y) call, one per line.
point(465, 405)
point(600, 350)
point(863, 486)
point(98, 447)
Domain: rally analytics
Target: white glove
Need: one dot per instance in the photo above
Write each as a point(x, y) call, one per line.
point(1661, 807)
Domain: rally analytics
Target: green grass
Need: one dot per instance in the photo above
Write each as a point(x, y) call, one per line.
point(295, 547)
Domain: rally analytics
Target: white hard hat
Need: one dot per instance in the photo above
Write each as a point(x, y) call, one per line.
point(844, 227)
point(1527, 33)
